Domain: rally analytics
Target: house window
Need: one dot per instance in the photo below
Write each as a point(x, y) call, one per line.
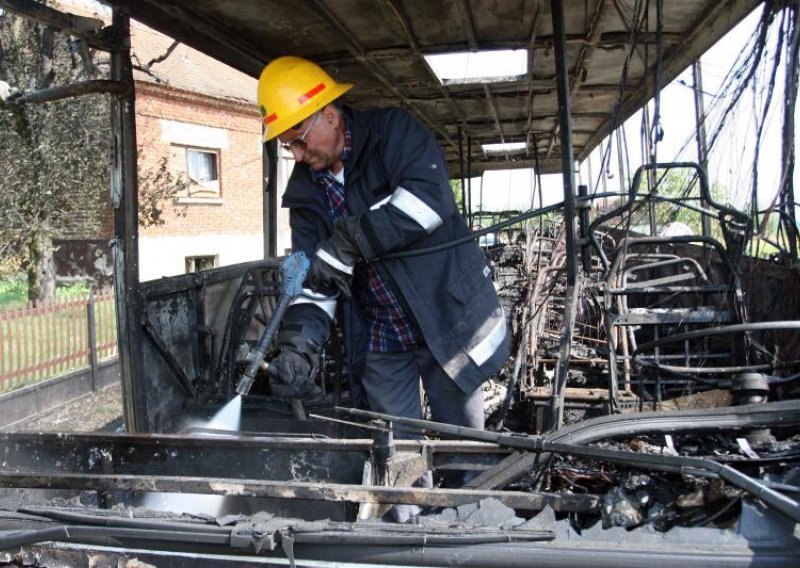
point(201, 166)
point(200, 170)
point(198, 263)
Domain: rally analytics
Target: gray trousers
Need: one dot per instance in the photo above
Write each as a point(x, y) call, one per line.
point(391, 383)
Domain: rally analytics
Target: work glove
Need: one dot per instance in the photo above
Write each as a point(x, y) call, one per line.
point(291, 374)
point(332, 267)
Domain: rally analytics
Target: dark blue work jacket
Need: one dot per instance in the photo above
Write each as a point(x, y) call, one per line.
point(396, 181)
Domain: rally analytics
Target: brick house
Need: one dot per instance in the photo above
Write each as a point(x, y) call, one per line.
point(200, 116)
point(197, 119)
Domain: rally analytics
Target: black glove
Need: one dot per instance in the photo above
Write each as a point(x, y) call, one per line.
point(332, 267)
point(291, 374)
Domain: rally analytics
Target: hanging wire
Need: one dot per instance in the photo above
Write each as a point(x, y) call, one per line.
point(637, 21)
point(656, 130)
point(762, 120)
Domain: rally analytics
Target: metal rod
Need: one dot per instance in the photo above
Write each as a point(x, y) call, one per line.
point(700, 131)
point(714, 331)
point(270, 204)
point(461, 171)
point(674, 464)
point(469, 179)
point(556, 413)
point(788, 149)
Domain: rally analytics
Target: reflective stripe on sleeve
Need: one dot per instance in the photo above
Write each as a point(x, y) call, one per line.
point(325, 303)
point(489, 344)
point(415, 208)
point(335, 262)
point(381, 203)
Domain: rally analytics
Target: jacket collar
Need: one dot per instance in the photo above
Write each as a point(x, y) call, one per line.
point(364, 139)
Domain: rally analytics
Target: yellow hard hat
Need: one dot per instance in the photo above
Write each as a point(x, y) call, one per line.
point(290, 90)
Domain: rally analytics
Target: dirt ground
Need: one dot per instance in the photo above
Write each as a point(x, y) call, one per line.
point(100, 411)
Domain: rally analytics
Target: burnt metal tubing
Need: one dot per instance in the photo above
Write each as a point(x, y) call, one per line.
point(675, 464)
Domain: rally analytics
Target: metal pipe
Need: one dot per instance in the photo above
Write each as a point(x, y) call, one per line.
point(469, 180)
point(700, 131)
point(728, 418)
point(79, 533)
point(713, 331)
point(461, 172)
point(788, 149)
point(556, 414)
point(672, 464)
point(269, 207)
point(583, 226)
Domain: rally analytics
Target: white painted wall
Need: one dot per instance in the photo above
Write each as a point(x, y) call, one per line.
point(285, 167)
point(186, 134)
point(166, 256)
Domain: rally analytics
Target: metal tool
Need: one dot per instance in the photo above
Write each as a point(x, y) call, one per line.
point(293, 272)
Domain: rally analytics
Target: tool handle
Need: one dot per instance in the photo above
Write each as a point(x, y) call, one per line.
point(293, 273)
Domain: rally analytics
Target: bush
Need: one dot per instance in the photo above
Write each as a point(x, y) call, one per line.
point(14, 292)
point(75, 289)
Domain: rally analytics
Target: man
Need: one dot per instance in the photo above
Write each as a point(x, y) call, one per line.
point(367, 184)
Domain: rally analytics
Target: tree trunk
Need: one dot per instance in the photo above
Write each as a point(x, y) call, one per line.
point(41, 269)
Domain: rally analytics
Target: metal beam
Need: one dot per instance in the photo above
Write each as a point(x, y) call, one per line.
point(493, 111)
point(86, 28)
point(585, 55)
point(588, 49)
point(269, 209)
point(417, 53)
point(353, 46)
point(608, 41)
point(531, 43)
point(555, 419)
point(469, 25)
point(314, 491)
point(125, 249)
point(177, 22)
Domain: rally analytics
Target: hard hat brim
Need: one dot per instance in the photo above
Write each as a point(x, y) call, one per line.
point(324, 98)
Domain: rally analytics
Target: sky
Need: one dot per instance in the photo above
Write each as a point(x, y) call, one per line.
point(730, 165)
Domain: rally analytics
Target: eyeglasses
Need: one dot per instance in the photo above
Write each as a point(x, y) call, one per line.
point(299, 143)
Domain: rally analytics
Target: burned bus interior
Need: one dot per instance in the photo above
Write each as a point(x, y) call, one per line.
point(649, 412)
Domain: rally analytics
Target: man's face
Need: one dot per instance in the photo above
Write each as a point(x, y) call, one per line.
point(317, 141)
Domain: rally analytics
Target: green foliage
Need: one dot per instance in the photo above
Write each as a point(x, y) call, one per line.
point(54, 157)
point(683, 188)
point(14, 291)
point(455, 185)
point(158, 186)
point(74, 290)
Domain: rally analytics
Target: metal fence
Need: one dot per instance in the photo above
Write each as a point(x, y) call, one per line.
point(39, 342)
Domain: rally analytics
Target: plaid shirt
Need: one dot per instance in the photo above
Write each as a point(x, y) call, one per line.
point(389, 328)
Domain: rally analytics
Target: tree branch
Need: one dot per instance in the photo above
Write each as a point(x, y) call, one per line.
point(71, 90)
